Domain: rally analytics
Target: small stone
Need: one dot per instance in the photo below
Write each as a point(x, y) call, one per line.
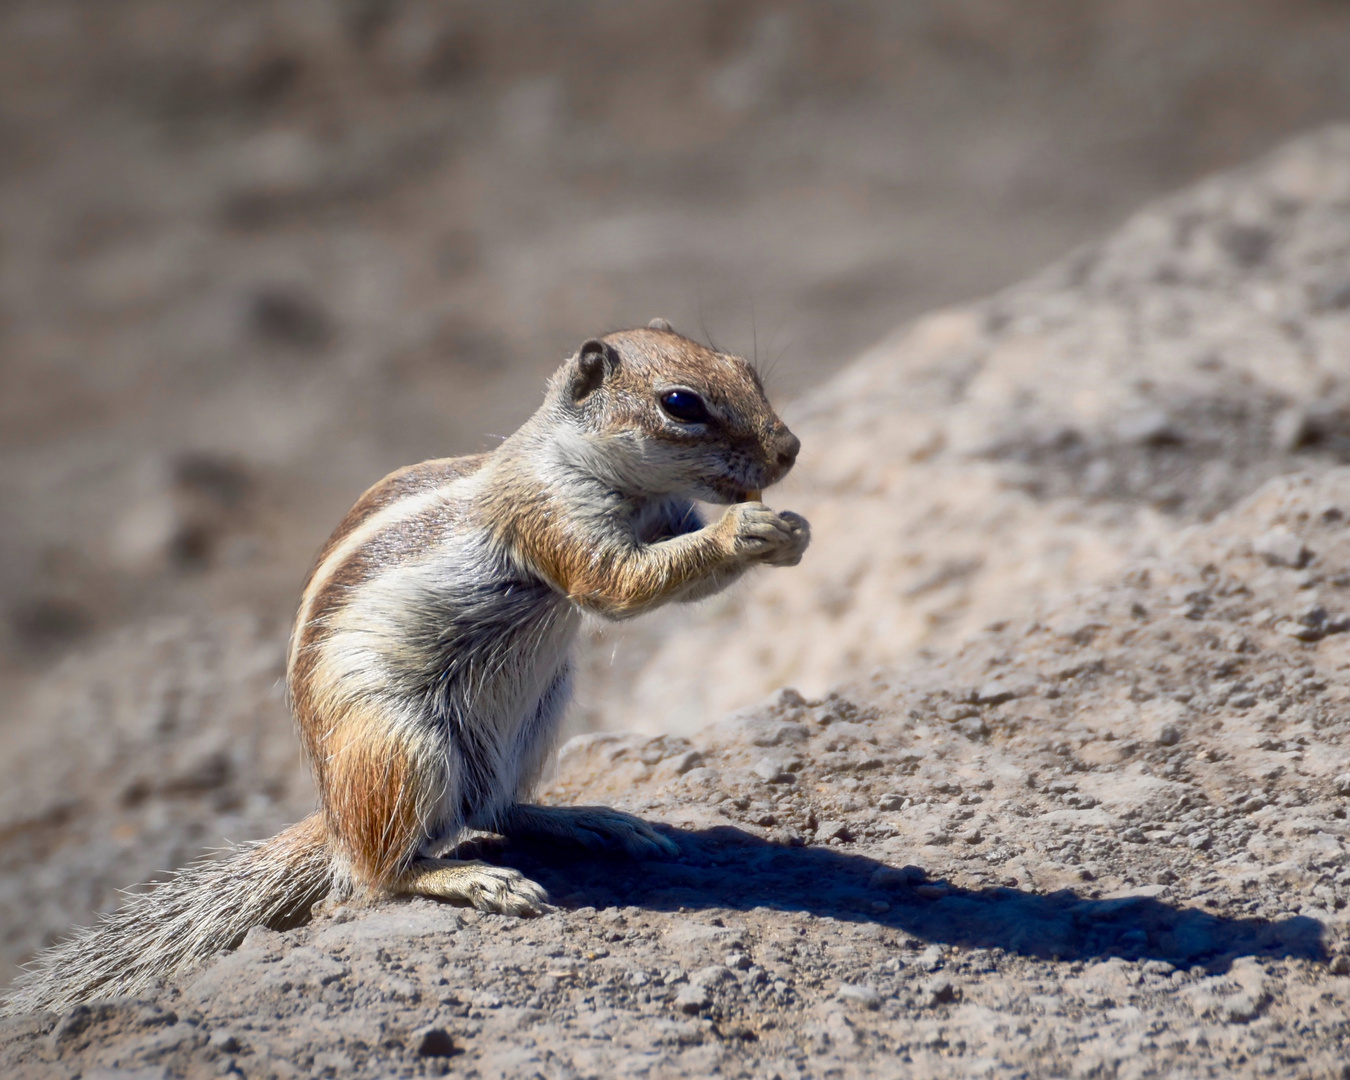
point(711, 975)
point(772, 772)
point(750, 726)
point(1200, 841)
point(1299, 631)
point(73, 1023)
point(832, 830)
point(891, 877)
point(939, 990)
point(995, 692)
point(1149, 427)
point(787, 699)
point(682, 763)
point(692, 998)
point(1241, 1008)
point(224, 1040)
point(952, 713)
point(857, 994)
point(434, 1042)
point(738, 961)
point(973, 728)
point(1280, 547)
point(1340, 965)
point(931, 958)
point(973, 836)
point(891, 802)
point(1169, 735)
point(154, 1016)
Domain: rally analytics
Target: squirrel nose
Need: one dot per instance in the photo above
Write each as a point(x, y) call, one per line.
point(787, 450)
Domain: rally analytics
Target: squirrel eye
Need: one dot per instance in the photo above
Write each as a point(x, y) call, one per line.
point(685, 406)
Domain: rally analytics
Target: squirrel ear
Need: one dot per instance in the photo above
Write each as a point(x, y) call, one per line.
point(595, 359)
point(659, 323)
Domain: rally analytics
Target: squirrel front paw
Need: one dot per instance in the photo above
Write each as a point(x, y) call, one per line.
point(758, 534)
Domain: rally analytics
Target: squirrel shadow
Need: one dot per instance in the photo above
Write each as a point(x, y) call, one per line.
point(725, 867)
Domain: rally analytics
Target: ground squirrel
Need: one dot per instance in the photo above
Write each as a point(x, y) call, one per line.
point(428, 668)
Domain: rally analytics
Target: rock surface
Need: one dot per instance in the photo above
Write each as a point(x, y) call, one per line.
point(1063, 792)
point(1035, 442)
point(1106, 840)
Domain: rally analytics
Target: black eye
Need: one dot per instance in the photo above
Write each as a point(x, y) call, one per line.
point(685, 406)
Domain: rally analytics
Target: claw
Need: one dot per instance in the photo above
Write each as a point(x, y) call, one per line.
point(496, 889)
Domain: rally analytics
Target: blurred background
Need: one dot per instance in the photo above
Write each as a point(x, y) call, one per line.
point(254, 255)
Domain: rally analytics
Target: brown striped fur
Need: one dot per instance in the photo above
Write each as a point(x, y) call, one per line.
point(399, 484)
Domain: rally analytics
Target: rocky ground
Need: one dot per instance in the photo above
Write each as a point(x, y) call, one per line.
point(1063, 789)
point(1104, 840)
point(1136, 387)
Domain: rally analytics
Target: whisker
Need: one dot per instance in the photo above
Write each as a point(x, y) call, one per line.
point(754, 336)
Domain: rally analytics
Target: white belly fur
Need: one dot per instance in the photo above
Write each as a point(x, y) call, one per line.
point(470, 660)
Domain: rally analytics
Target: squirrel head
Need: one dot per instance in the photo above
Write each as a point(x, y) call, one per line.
point(658, 414)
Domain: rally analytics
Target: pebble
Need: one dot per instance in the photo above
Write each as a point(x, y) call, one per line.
point(1147, 427)
point(682, 763)
point(758, 730)
point(1240, 1008)
point(73, 1024)
point(1280, 547)
point(692, 998)
point(771, 771)
point(859, 994)
point(892, 877)
point(995, 692)
point(938, 990)
point(712, 975)
point(974, 727)
point(433, 1042)
point(224, 1040)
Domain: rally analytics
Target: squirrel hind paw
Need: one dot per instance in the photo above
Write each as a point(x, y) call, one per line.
point(597, 828)
point(496, 889)
point(615, 830)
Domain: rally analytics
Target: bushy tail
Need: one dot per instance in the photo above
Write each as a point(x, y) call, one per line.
point(202, 910)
